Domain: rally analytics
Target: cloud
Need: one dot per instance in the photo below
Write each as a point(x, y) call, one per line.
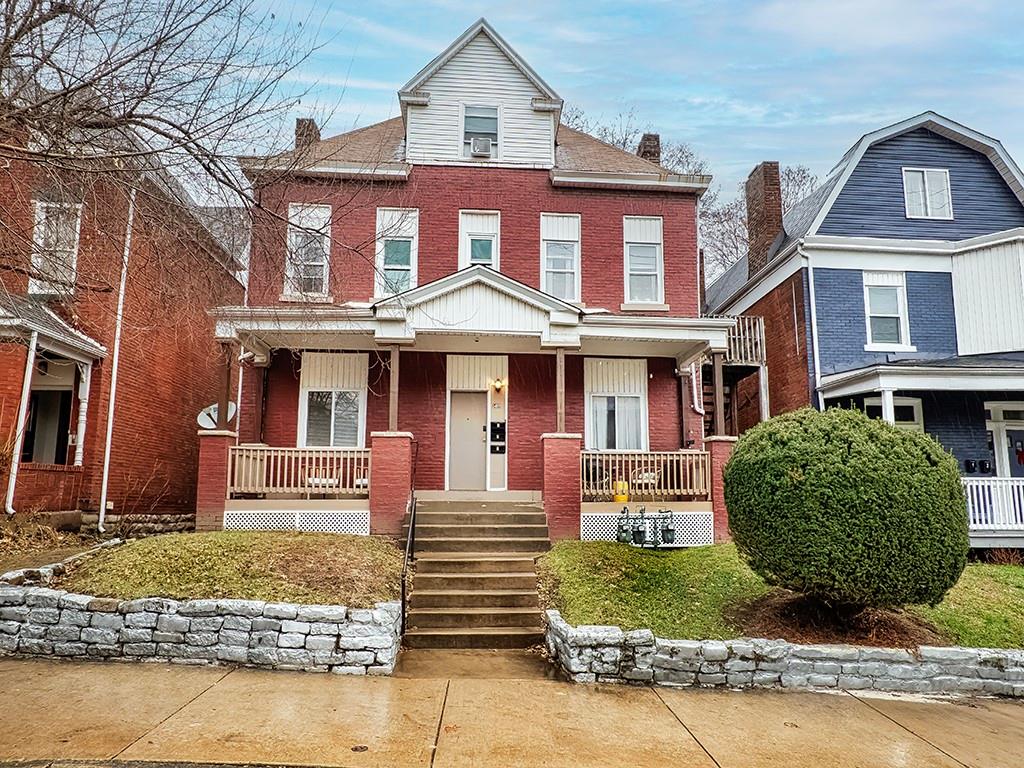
point(348, 83)
point(391, 34)
point(855, 26)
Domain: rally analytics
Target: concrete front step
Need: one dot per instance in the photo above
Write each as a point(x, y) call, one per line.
point(474, 562)
point(481, 598)
point(471, 581)
point(482, 544)
point(428, 531)
point(474, 637)
point(480, 518)
point(478, 506)
point(433, 618)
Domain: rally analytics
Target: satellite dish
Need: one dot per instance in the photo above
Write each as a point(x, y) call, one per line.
point(207, 417)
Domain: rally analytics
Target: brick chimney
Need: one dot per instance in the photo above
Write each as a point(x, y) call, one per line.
point(306, 132)
point(650, 148)
point(764, 214)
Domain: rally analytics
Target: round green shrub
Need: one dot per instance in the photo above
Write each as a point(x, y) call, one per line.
point(848, 509)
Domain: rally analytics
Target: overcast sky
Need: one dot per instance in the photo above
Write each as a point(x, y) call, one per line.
point(791, 80)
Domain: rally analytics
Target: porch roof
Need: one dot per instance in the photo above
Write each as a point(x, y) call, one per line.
point(987, 373)
point(475, 309)
point(22, 315)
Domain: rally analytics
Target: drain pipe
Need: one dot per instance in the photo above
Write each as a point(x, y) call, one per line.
point(19, 435)
point(115, 358)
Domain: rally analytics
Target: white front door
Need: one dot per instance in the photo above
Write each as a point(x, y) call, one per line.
point(467, 442)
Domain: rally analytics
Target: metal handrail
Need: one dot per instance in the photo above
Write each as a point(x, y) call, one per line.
point(410, 534)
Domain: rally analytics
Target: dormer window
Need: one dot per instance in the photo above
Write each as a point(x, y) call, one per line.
point(480, 131)
point(927, 194)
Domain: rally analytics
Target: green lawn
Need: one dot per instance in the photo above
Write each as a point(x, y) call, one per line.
point(327, 568)
point(677, 593)
point(691, 593)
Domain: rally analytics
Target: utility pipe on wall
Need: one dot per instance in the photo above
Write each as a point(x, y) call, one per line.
point(115, 358)
point(19, 434)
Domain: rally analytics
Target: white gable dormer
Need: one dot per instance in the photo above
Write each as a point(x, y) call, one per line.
point(480, 88)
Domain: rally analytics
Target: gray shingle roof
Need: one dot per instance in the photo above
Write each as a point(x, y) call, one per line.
point(26, 314)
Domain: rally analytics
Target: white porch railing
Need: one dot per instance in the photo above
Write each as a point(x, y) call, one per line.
point(648, 475)
point(746, 341)
point(995, 503)
point(333, 472)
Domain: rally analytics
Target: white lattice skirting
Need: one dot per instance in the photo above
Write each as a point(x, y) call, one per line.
point(314, 521)
point(693, 529)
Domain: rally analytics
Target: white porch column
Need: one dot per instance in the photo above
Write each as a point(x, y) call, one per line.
point(888, 408)
point(19, 432)
point(85, 380)
point(393, 390)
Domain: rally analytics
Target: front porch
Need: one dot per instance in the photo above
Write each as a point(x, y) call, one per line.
point(974, 406)
point(349, 412)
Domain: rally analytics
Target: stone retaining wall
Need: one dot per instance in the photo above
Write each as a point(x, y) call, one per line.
point(591, 654)
point(39, 621)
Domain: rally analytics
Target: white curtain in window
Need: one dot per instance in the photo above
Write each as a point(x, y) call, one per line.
point(939, 204)
point(602, 422)
point(628, 423)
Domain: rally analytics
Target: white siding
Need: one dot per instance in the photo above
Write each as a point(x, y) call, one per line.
point(333, 370)
point(560, 226)
point(478, 307)
point(476, 372)
point(642, 229)
point(479, 223)
point(480, 75)
point(988, 284)
point(615, 376)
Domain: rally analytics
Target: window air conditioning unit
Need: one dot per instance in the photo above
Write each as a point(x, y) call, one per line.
point(480, 147)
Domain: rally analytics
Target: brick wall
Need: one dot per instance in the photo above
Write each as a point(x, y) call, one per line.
point(390, 481)
point(439, 193)
point(787, 337)
point(51, 487)
point(170, 365)
point(561, 485)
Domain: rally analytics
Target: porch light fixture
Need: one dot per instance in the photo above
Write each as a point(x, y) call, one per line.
point(498, 385)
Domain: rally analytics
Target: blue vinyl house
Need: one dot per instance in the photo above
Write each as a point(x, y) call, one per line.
point(897, 287)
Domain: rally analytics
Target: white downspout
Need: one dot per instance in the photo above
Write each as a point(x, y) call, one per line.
point(698, 402)
point(85, 369)
point(19, 435)
point(115, 358)
point(814, 331)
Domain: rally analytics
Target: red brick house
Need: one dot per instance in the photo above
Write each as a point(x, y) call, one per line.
point(474, 302)
point(106, 355)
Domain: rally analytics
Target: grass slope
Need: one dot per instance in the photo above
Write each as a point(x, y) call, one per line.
point(285, 567)
point(677, 593)
point(694, 593)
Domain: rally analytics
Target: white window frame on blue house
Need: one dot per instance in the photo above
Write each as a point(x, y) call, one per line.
point(897, 281)
point(926, 186)
point(914, 425)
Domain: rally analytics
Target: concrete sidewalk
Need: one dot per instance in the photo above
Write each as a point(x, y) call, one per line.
point(173, 714)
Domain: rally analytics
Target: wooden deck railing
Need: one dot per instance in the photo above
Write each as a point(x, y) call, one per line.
point(746, 341)
point(650, 475)
point(995, 503)
point(332, 472)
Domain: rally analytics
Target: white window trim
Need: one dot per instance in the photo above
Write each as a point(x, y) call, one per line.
point(917, 424)
point(904, 315)
point(399, 233)
point(924, 173)
point(577, 266)
point(465, 235)
point(37, 286)
point(289, 267)
point(628, 301)
point(304, 410)
point(645, 427)
point(998, 426)
point(497, 153)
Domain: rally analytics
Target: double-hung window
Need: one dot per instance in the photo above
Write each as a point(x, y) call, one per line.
point(307, 266)
point(645, 267)
point(54, 247)
point(616, 403)
point(927, 194)
point(332, 418)
point(479, 123)
point(479, 238)
point(560, 255)
point(332, 404)
point(885, 307)
point(397, 246)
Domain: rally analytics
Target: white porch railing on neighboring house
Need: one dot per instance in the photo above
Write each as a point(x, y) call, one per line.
point(995, 503)
point(647, 475)
point(746, 341)
point(259, 470)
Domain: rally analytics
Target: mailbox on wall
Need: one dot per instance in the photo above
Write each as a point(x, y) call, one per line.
point(497, 431)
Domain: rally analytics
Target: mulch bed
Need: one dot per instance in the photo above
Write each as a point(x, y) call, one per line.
point(784, 614)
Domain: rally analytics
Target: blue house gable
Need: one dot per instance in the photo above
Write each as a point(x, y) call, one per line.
point(872, 203)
